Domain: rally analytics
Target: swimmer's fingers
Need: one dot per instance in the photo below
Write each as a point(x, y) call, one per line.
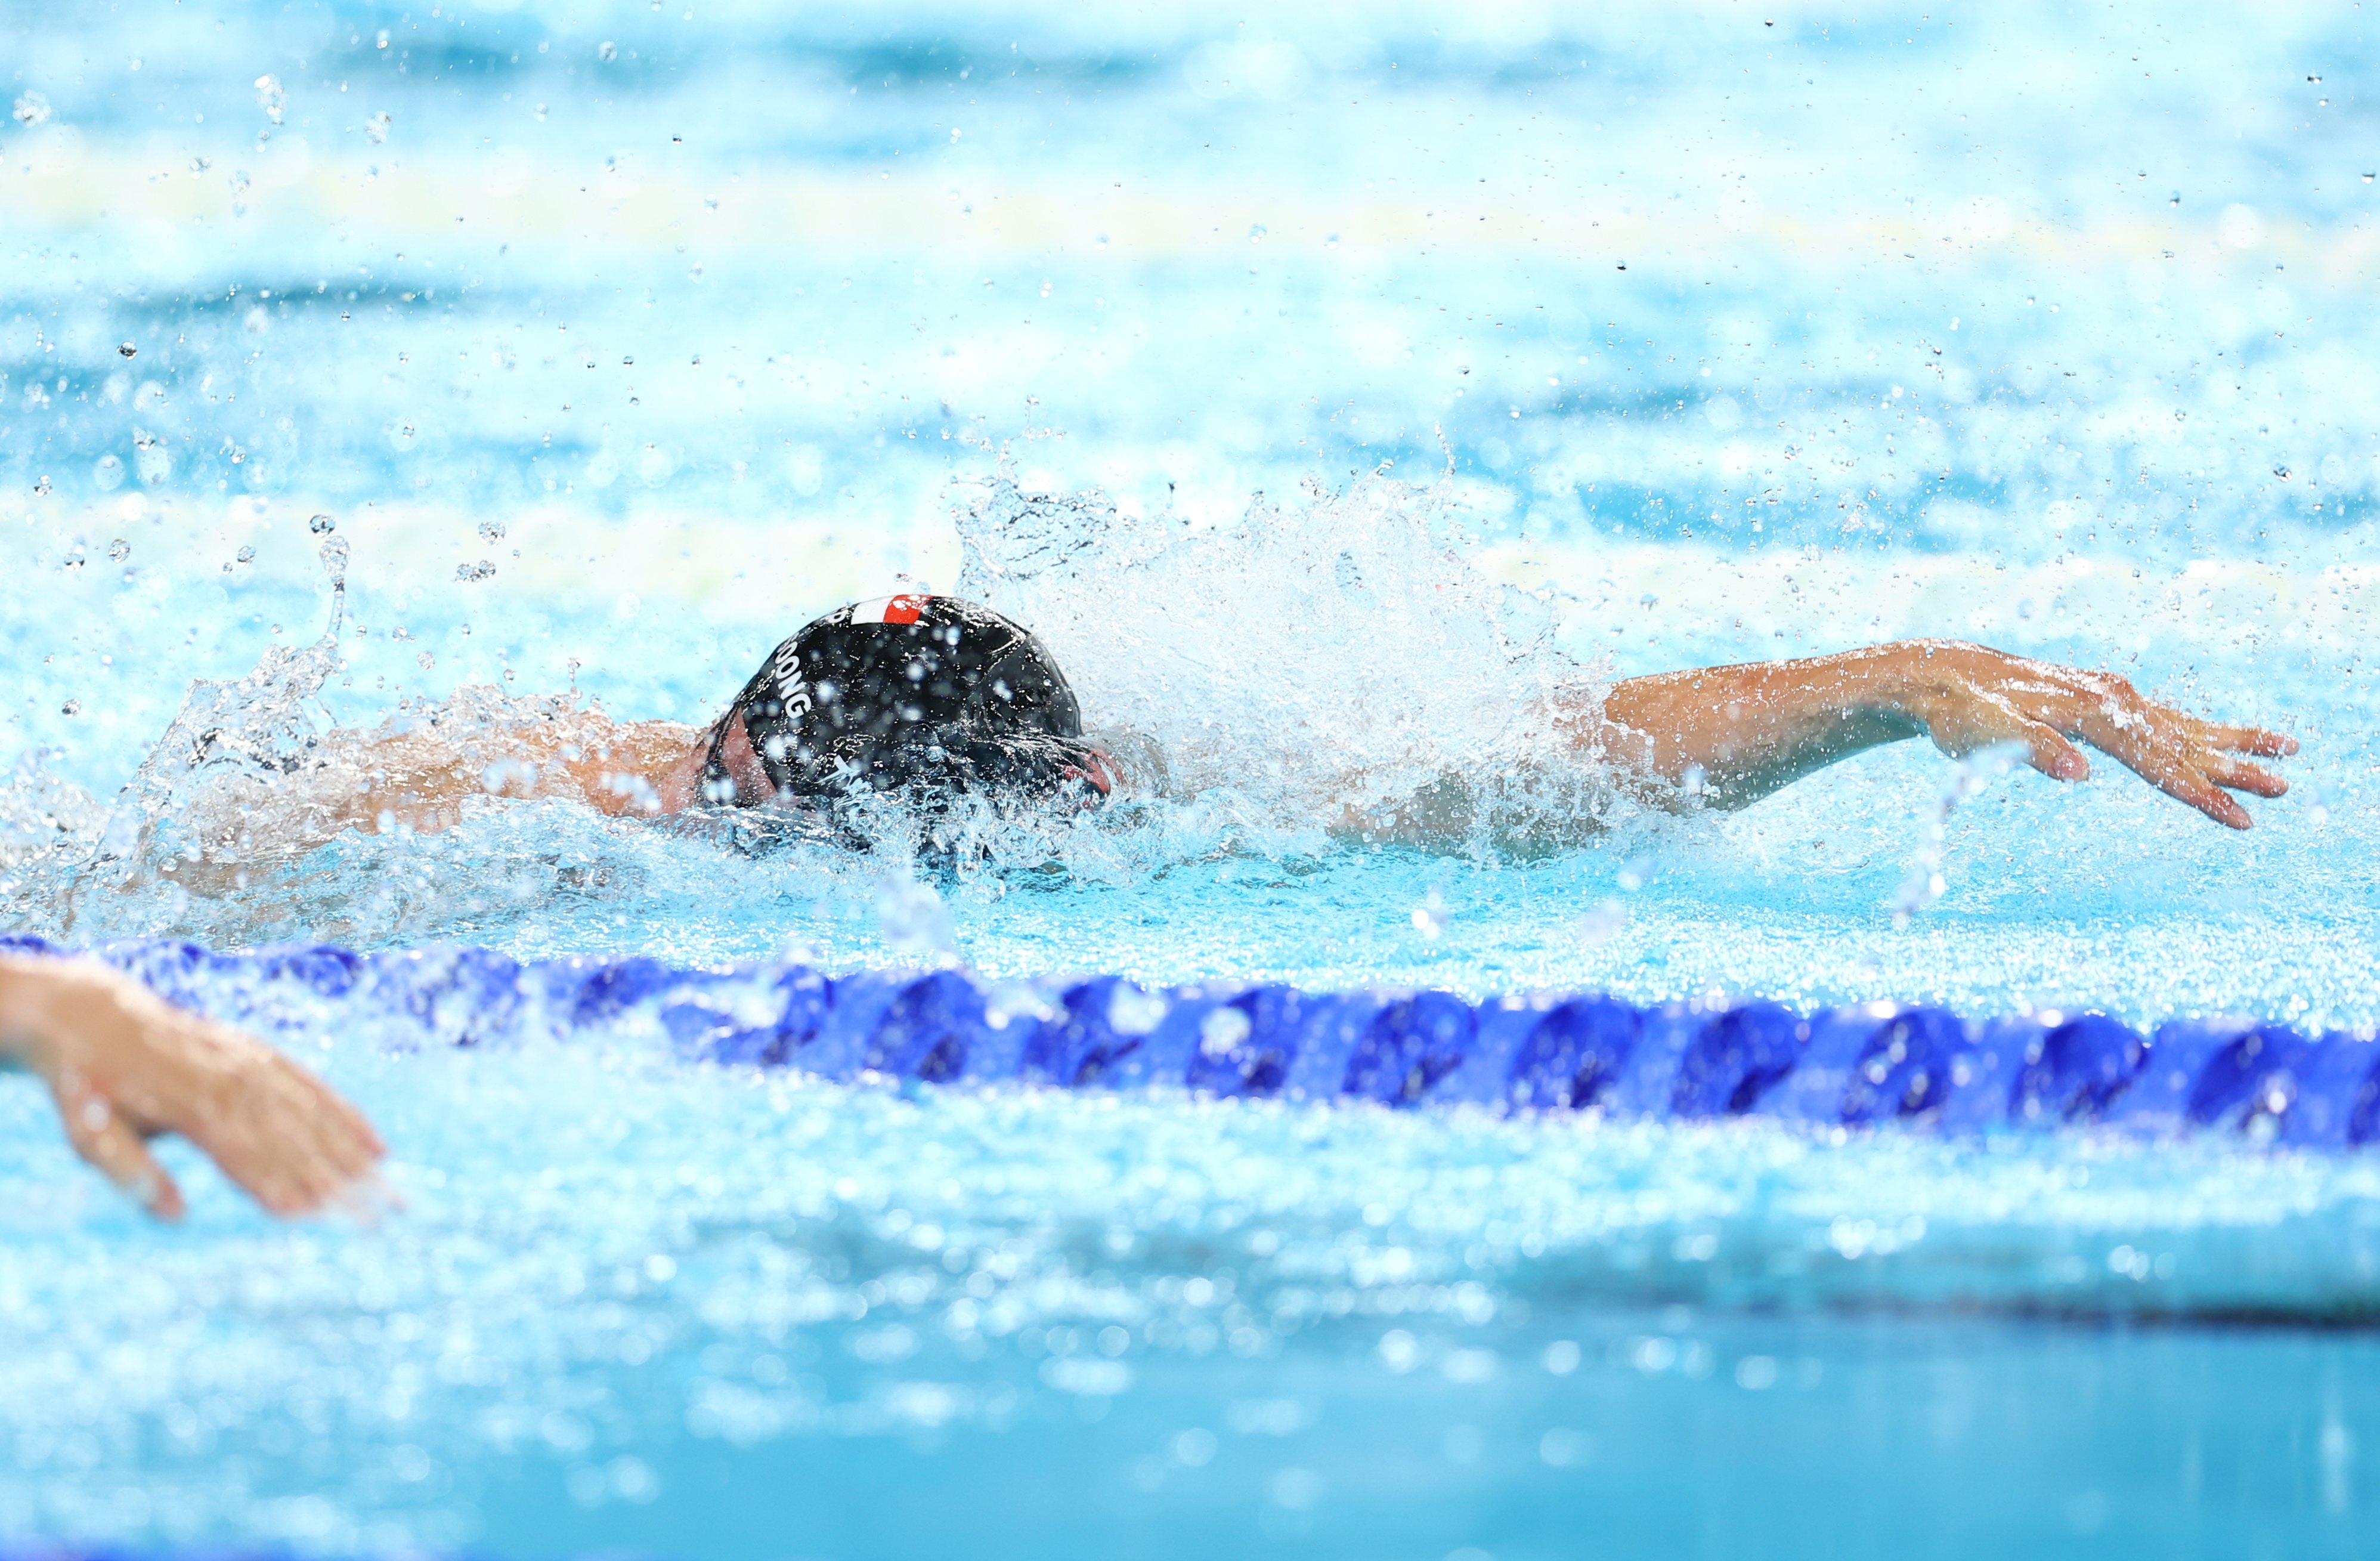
point(2264, 744)
point(2237, 774)
point(284, 1135)
point(1962, 726)
point(2162, 755)
point(2120, 703)
point(2174, 752)
point(358, 1141)
point(271, 1127)
point(2047, 750)
point(113, 1145)
point(2186, 783)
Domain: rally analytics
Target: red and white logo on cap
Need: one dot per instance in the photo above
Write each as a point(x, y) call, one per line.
point(903, 609)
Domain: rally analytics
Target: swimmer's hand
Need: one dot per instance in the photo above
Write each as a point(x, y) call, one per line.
point(1749, 730)
point(124, 1066)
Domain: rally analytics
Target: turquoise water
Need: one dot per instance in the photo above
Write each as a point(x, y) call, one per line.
point(1323, 389)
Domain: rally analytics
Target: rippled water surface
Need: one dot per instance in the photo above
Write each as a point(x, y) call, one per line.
point(1326, 388)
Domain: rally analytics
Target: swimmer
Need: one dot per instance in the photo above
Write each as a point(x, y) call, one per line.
point(124, 1066)
point(932, 694)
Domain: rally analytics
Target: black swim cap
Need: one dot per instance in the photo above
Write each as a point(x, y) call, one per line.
point(910, 692)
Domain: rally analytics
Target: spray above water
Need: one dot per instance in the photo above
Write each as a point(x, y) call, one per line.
point(1970, 777)
point(1342, 665)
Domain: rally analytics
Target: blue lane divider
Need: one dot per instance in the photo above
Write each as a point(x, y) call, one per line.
point(1865, 1063)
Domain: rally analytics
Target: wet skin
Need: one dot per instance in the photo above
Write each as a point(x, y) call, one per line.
point(124, 1066)
point(1751, 729)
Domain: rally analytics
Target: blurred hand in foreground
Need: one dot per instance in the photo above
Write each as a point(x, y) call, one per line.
point(124, 1065)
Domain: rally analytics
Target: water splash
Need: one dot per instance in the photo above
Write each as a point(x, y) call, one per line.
point(1969, 777)
point(40, 812)
point(1342, 663)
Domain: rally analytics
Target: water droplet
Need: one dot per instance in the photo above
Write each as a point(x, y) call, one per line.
point(491, 531)
point(376, 128)
point(119, 550)
point(72, 560)
point(31, 109)
point(270, 98)
point(426, 660)
point(41, 485)
point(72, 707)
point(478, 571)
point(607, 51)
point(129, 350)
point(321, 523)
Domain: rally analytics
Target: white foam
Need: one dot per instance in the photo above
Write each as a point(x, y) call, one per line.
point(1336, 654)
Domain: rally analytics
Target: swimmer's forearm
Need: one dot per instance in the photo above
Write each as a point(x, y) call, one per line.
point(1746, 731)
point(419, 783)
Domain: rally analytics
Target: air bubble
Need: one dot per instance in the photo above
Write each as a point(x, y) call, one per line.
point(607, 51)
point(322, 524)
point(270, 97)
point(119, 550)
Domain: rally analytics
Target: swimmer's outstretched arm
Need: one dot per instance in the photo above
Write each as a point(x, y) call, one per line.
point(124, 1066)
point(419, 780)
point(1751, 729)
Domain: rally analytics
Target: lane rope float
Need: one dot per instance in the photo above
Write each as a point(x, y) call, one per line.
point(1856, 1065)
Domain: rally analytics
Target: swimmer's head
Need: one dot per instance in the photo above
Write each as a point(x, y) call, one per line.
point(910, 693)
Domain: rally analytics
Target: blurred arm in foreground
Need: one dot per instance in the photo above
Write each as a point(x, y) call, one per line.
point(124, 1066)
point(1751, 729)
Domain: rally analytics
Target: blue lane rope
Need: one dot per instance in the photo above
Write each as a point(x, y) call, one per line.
point(1853, 1066)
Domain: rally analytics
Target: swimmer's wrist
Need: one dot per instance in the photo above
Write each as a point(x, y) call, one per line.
point(1925, 682)
point(1902, 686)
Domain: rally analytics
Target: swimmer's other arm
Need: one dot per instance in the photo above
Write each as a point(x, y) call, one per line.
point(420, 781)
point(123, 1065)
point(1749, 730)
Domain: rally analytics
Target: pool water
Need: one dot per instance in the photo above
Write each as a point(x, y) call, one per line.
point(1327, 391)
